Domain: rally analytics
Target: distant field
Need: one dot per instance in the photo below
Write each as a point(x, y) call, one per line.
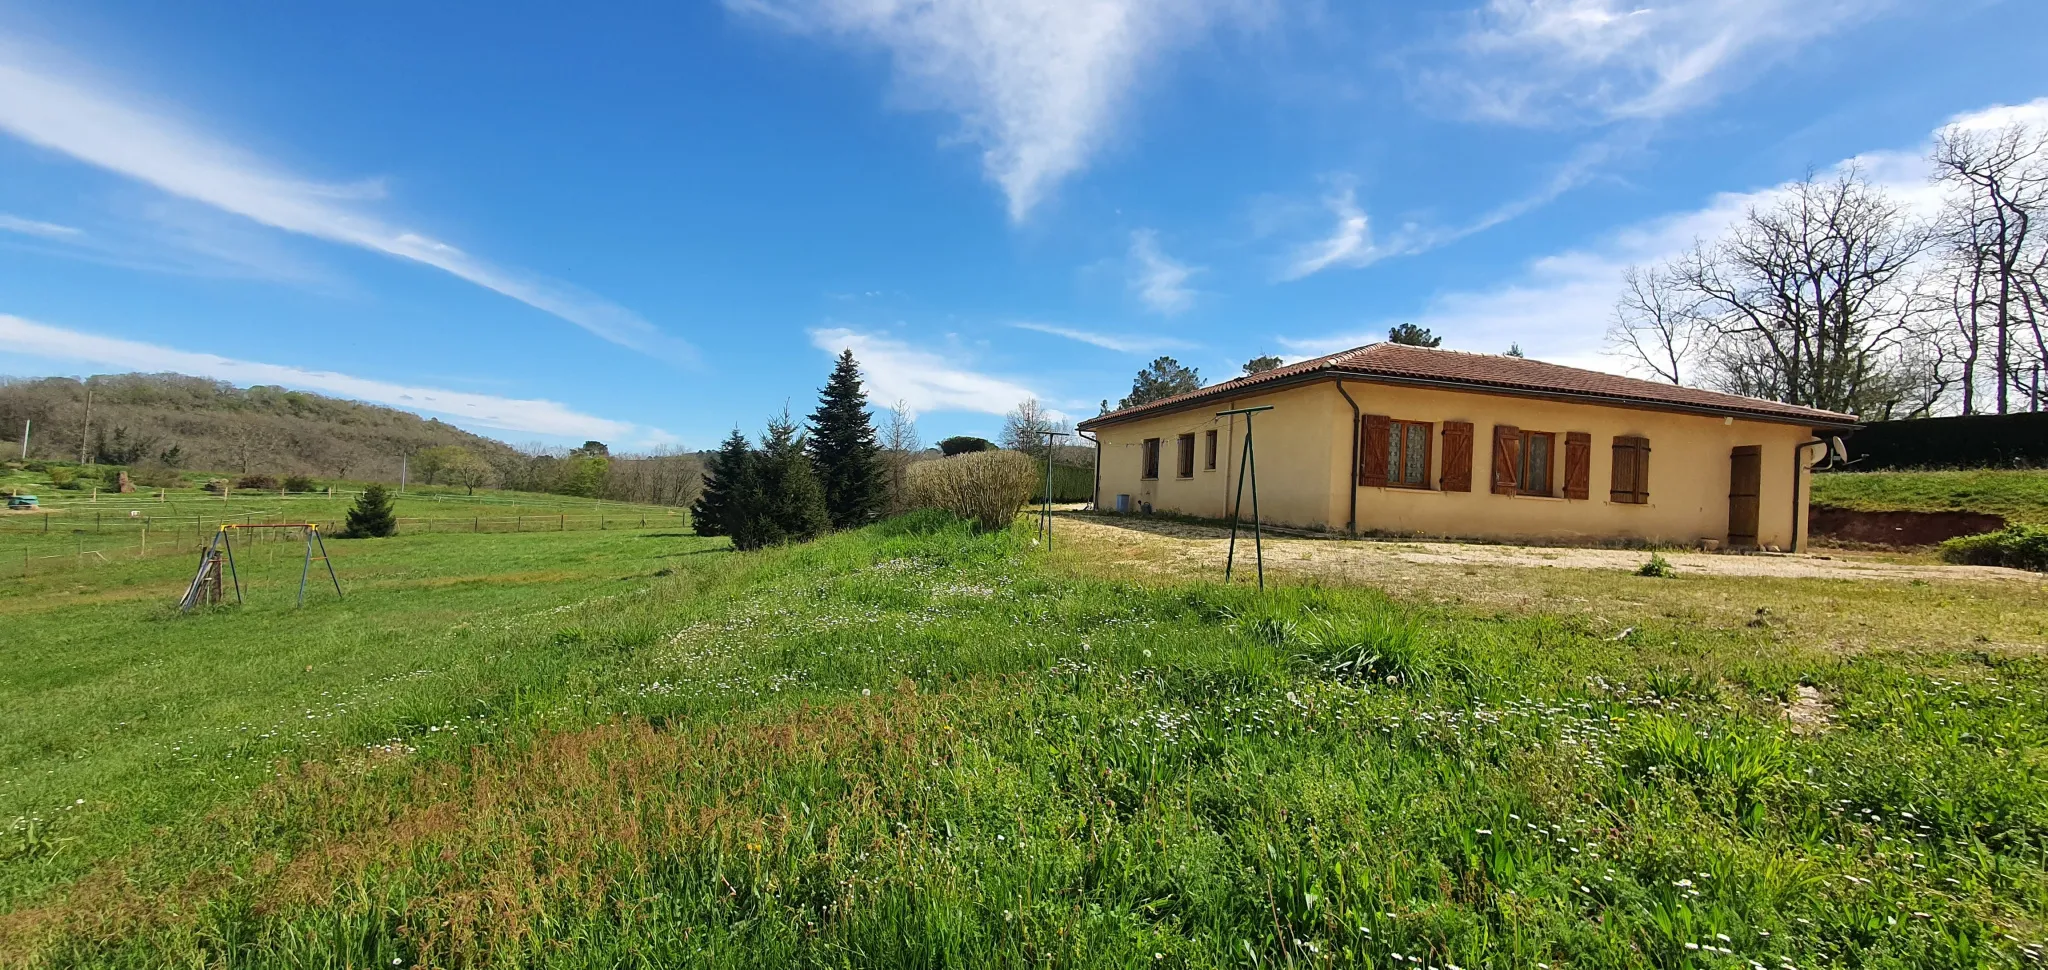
point(76, 529)
point(912, 746)
point(2020, 496)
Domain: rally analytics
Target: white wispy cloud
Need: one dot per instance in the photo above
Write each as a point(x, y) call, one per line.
point(1159, 280)
point(923, 379)
point(1559, 306)
point(1121, 343)
point(29, 338)
point(32, 227)
point(107, 130)
point(1039, 85)
point(1348, 244)
point(1352, 243)
point(1538, 61)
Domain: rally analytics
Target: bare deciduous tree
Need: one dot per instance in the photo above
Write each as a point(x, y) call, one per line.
point(1997, 250)
point(1025, 426)
point(1658, 323)
point(1807, 300)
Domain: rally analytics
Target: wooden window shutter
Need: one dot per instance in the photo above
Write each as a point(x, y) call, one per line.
point(1630, 483)
point(1372, 450)
point(1507, 458)
point(1642, 471)
point(1578, 464)
point(1457, 474)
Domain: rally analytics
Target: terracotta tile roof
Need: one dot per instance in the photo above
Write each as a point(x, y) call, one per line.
point(1400, 363)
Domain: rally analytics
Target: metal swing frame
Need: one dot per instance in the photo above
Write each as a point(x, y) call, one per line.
point(221, 551)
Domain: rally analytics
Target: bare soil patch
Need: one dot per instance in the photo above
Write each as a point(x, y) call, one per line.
point(1193, 544)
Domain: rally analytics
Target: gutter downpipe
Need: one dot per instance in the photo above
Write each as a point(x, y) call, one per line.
point(1351, 473)
point(1095, 497)
point(1799, 469)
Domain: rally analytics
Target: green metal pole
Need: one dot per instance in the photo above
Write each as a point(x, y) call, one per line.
point(1230, 559)
point(1251, 458)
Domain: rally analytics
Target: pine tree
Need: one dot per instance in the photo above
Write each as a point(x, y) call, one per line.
point(1413, 336)
point(1165, 378)
point(843, 449)
point(792, 502)
point(732, 493)
point(371, 517)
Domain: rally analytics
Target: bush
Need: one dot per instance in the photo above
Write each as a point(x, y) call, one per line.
point(1658, 567)
point(985, 487)
point(63, 477)
point(298, 483)
point(218, 486)
point(257, 482)
point(2019, 547)
point(156, 476)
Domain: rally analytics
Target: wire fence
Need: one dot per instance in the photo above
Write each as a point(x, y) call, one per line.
point(55, 542)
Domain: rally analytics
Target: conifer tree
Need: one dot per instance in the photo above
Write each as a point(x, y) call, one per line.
point(793, 503)
point(843, 449)
point(732, 494)
point(372, 516)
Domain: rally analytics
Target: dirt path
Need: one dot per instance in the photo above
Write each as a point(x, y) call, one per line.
point(1177, 546)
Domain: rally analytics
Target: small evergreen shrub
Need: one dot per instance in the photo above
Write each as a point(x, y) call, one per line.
point(2017, 547)
point(985, 487)
point(257, 482)
point(298, 483)
point(372, 516)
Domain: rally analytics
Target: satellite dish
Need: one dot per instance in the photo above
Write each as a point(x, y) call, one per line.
point(1841, 453)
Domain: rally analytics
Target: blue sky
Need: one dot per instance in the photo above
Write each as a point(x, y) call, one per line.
point(649, 223)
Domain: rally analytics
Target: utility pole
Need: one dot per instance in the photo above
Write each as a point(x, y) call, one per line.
point(25, 424)
point(87, 432)
point(404, 466)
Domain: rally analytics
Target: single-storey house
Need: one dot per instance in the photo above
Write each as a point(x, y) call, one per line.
point(1403, 440)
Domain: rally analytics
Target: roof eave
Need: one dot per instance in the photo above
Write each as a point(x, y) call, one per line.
point(1844, 423)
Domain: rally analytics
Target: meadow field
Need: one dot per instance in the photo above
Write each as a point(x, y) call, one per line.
point(917, 746)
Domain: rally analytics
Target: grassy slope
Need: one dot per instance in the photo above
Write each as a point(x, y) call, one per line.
point(921, 748)
point(2020, 496)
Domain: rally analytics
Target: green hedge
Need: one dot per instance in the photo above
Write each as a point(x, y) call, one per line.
point(2019, 547)
point(1070, 483)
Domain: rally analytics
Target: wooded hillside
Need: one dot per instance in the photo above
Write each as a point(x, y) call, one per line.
point(205, 424)
point(155, 421)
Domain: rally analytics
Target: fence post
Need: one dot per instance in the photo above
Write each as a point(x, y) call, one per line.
point(562, 525)
point(476, 524)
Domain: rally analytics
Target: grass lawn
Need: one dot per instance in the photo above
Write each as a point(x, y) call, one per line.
point(2020, 496)
point(916, 746)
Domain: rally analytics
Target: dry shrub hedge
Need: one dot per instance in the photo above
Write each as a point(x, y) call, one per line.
point(985, 487)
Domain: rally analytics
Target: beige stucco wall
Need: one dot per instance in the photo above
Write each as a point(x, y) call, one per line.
point(1295, 460)
point(1304, 450)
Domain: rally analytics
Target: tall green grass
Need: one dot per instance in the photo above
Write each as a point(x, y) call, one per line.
point(919, 746)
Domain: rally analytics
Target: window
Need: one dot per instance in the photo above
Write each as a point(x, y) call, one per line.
point(1393, 453)
point(1151, 469)
point(1185, 455)
point(1533, 478)
point(1408, 454)
point(1209, 450)
point(1522, 461)
point(1631, 479)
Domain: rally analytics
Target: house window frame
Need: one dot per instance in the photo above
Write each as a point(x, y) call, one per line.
point(1398, 441)
point(1209, 452)
point(1184, 456)
point(1549, 465)
point(1148, 460)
